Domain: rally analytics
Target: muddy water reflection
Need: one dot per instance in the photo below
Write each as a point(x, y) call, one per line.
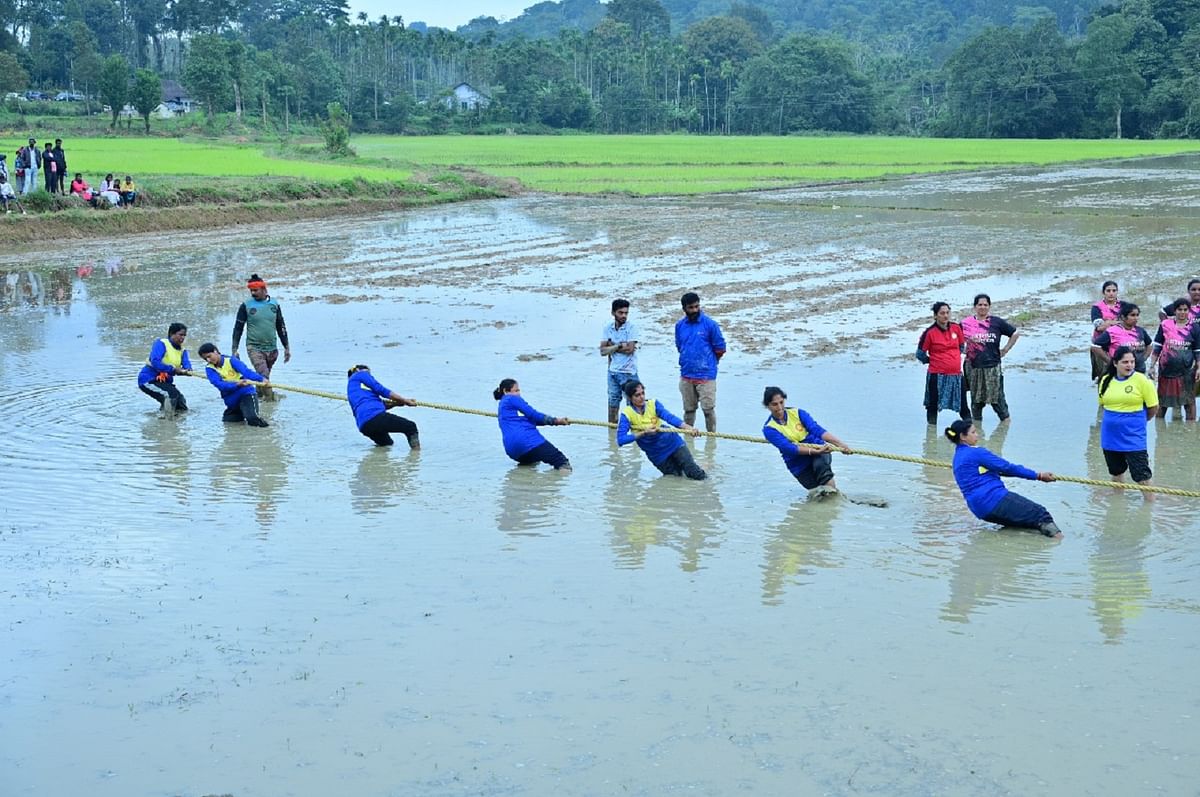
point(191, 608)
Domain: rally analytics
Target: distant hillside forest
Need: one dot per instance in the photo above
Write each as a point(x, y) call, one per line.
point(973, 68)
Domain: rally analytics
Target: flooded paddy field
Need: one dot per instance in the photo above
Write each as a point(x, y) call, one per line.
point(191, 608)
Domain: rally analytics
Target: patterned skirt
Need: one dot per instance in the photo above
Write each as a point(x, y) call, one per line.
point(1175, 391)
point(986, 384)
point(1099, 364)
point(944, 392)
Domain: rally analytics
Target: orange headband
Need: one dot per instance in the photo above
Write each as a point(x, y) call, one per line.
point(252, 284)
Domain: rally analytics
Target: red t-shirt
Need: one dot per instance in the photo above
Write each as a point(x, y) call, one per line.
point(944, 347)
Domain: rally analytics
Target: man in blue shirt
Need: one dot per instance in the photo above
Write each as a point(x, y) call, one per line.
point(620, 347)
point(701, 345)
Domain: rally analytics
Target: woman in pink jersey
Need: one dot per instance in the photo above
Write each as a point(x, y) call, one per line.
point(1105, 313)
point(981, 370)
point(1176, 347)
point(1127, 333)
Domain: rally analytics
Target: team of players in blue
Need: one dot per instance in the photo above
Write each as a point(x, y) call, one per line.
point(804, 445)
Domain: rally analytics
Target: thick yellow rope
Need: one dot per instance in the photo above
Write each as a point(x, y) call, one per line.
point(936, 463)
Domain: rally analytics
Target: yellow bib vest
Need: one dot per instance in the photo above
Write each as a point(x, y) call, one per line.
point(791, 428)
point(173, 356)
point(641, 421)
point(226, 371)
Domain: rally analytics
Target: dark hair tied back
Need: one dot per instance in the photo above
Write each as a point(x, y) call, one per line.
point(1111, 373)
point(505, 386)
point(770, 393)
point(956, 430)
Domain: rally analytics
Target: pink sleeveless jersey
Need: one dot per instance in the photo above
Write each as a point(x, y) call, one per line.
point(1119, 336)
point(1108, 313)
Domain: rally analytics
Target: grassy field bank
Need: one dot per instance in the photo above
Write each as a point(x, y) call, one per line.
point(151, 157)
point(650, 165)
point(190, 183)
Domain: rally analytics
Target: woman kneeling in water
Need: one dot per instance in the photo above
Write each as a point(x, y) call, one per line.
point(801, 441)
point(640, 422)
point(518, 428)
point(978, 473)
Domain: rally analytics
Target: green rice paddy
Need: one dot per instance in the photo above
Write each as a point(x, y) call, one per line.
point(644, 165)
point(687, 164)
point(143, 157)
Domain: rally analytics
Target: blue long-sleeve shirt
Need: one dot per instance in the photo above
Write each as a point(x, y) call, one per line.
point(232, 392)
point(698, 343)
point(978, 473)
point(657, 446)
point(797, 462)
point(156, 366)
point(518, 425)
point(366, 396)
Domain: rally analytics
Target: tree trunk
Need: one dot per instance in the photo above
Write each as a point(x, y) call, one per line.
point(237, 99)
point(146, 117)
point(1118, 121)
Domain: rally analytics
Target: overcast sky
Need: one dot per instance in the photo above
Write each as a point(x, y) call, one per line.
point(442, 13)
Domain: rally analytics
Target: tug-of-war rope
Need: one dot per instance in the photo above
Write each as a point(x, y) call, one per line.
point(863, 452)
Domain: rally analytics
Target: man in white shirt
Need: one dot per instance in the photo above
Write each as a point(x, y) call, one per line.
point(620, 347)
point(6, 194)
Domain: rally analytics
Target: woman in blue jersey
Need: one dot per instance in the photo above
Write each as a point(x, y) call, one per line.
point(167, 359)
point(1129, 401)
point(235, 381)
point(518, 427)
point(639, 422)
point(804, 445)
point(978, 473)
point(366, 398)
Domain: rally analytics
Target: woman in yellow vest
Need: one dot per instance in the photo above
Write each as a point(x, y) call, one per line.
point(236, 382)
point(641, 421)
point(802, 442)
point(157, 377)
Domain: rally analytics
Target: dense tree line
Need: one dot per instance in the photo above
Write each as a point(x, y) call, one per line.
point(923, 67)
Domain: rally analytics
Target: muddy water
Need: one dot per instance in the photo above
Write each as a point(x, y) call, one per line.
point(191, 608)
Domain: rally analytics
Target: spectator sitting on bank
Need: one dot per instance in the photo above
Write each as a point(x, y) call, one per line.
point(110, 190)
point(81, 189)
point(128, 192)
point(6, 193)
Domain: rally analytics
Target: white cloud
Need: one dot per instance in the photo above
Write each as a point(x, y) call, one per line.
point(441, 13)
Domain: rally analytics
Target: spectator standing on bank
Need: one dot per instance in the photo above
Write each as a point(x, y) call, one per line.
point(60, 158)
point(262, 319)
point(32, 159)
point(701, 345)
point(49, 169)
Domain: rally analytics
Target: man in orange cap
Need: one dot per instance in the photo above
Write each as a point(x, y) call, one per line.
point(262, 319)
